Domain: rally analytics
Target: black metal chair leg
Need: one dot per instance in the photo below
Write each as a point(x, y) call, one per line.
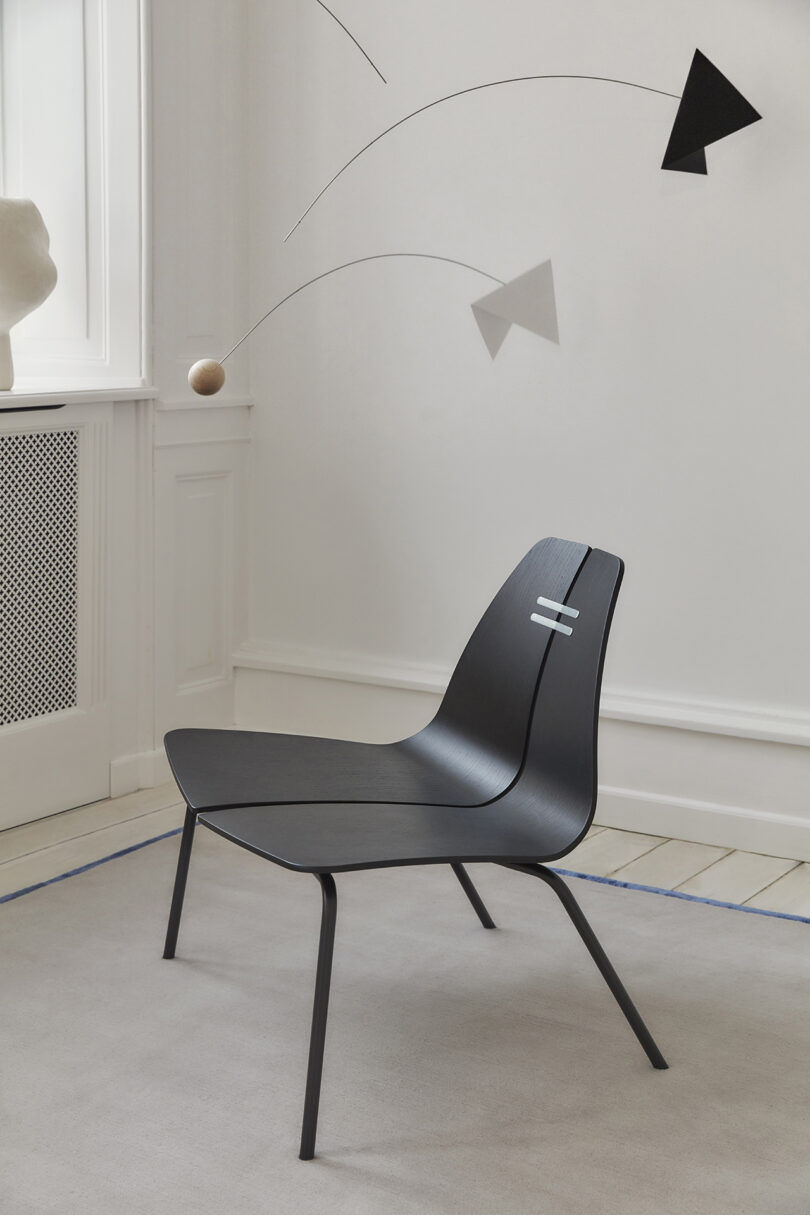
point(600, 958)
point(319, 1011)
point(473, 895)
point(180, 882)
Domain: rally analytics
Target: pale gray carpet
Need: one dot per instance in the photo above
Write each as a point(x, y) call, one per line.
point(466, 1071)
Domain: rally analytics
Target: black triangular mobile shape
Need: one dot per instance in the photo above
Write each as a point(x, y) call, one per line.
point(696, 163)
point(710, 109)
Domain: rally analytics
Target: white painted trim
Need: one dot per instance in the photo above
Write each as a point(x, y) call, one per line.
point(21, 398)
point(143, 636)
point(739, 720)
point(352, 668)
point(92, 335)
point(19, 727)
point(708, 717)
point(142, 771)
point(77, 743)
point(204, 426)
point(145, 249)
point(193, 686)
point(784, 835)
point(216, 441)
point(195, 403)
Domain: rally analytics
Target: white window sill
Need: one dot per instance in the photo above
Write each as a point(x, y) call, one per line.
point(45, 398)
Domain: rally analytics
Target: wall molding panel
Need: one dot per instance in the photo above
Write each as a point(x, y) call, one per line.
point(711, 717)
point(191, 426)
point(201, 464)
point(132, 589)
point(203, 518)
point(94, 488)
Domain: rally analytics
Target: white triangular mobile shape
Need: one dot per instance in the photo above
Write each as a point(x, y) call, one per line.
point(527, 300)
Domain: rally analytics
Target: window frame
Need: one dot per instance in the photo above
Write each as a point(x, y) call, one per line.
point(104, 345)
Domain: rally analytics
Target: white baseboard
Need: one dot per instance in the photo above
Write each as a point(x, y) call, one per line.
point(347, 667)
point(784, 835)
point(142, 771)
point(763, 722)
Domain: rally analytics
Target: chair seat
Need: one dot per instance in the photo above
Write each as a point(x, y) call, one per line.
point(336, 837)
point(223, 768)
point(468, 754)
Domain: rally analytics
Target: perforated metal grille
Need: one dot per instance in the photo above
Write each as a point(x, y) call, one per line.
point(39, 517)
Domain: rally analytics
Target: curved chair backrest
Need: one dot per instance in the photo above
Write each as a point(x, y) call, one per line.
point(482, 723)
point(559, 778)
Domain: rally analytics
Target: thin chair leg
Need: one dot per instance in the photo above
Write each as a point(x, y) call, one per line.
point(473, 895)
point(600, 958)
point(180, 882)
point(319, 1011)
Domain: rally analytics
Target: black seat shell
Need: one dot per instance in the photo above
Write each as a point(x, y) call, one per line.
point(468, 754)
point(540, 817)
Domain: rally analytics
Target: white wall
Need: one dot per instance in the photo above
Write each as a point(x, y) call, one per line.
point(199, 257)
point(400, 473)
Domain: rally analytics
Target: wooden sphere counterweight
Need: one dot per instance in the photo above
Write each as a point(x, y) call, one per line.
point(206, 377)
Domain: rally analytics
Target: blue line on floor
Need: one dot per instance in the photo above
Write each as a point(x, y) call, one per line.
point(679, 894)
point(6, 898)
point(585, 877)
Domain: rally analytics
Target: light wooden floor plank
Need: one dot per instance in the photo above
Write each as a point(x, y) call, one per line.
point(670, 864)
point(50, 862)
point(737, 877)
point(602, 854)
point(83, 820)
point(790, 894)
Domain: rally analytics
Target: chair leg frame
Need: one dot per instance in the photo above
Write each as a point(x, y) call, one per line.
point(320, 1009)
point(323, 974)
point(599, 956)
point(473, 895)
point(180, 882)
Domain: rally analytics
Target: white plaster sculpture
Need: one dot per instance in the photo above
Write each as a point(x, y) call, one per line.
point(27, 274)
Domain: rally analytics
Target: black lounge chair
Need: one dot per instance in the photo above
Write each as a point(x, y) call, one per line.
point(505, 772)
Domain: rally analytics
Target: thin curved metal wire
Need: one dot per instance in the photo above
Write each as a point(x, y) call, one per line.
point(374, 257)
point(461, 93)
point(354, 40)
